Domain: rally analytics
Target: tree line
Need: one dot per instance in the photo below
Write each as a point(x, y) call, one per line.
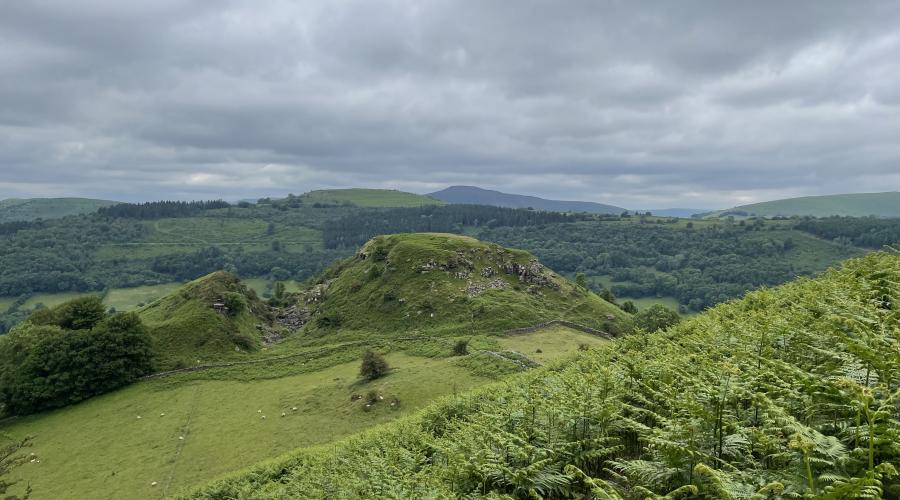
point(354, 230)
point(868, 232)
point(161, 209)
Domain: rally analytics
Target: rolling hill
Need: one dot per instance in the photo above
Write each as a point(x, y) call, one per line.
point(187, 325)
point(787, 393)
point(371, 198)
point(477, 196)
point(852, 205)
point(448, 284)
point(241, 397)
point(27, 209)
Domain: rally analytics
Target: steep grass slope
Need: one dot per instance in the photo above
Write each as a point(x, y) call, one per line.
point(472, 195)
point(186, 326)
point(788, 393)
point(448, 284)
point(18, 209)
point(368, 198)
point(852, 205)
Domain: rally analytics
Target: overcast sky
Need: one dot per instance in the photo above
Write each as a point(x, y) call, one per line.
point(640, 104)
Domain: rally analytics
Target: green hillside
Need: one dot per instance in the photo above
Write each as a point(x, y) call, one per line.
point(268, 395)
point(187, 328)
point(788, 393)
point(17, 209)
point(381, 198)
point(472, 195)
point(852, 205)
point(448, 284)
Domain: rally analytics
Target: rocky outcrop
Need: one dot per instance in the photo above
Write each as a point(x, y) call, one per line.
point(533, 273)
point(292, 317)
point(475, 288)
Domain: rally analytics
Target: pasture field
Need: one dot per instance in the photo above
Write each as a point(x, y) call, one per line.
point(102, 449)
point(369, 198)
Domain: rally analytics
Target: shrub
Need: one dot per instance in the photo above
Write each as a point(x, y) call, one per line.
point(461, 348)
point(234, 302)
point(47, 366)
point(76, 314)
point(629, 307)
point(373, 366)
point(656, 317)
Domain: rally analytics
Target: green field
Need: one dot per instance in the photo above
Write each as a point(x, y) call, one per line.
point(553, 343)
point(5, 302)
point(50, 299)
point(16, 209)
point(101, 449)
point(125, 299)
point(369, 198)
point(264, 286)
point(852, 205)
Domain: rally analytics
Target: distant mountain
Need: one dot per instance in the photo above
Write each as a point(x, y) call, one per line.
point(19, 209)
point(678, 212)
point(853, 205)
point(477, 196)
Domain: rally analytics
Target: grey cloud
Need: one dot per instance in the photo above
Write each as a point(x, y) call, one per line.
point(650, 104)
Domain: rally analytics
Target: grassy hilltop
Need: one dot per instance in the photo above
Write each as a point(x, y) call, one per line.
point(27, 209)
point(185, 326)
point(449, 284)
point(852, 205)
point(381, 198)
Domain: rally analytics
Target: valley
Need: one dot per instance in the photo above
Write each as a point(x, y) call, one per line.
point(257, 317)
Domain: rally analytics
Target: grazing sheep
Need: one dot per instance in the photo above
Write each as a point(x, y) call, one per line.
point(181, 438)
point(294, 409)
point(263, 417)
point(162, 414)
point(138, 417)
point(283, 414)
point(153, 483)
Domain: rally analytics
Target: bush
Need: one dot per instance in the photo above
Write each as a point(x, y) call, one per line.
point(235, 303)
point(76, 314)
point(656, 317)
point(461, 348)
point(373, 366)
point(48, 366)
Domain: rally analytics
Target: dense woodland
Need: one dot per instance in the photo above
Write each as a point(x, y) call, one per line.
point(868, 232)
point(700, 266)
point(160, 209)
point(352, 231)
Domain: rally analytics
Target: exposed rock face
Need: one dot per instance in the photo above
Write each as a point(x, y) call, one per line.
point(474, 288)
point(293, 317)
point(315, 294)
point(460, 262)
point(533, 273)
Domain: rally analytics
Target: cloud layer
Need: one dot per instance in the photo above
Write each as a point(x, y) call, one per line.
point(651, 104)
